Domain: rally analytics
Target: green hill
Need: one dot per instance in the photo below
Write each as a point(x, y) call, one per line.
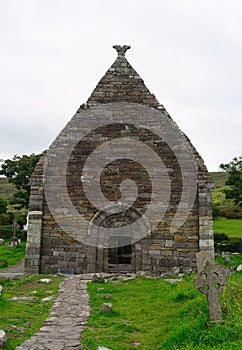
point(6, 189)
point(219, 178)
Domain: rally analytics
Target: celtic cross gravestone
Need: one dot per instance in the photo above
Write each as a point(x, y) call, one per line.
point(210, 281)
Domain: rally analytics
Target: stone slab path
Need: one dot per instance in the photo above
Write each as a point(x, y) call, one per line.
point(68, 316)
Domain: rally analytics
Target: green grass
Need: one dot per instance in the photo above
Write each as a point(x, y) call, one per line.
point(235, 260)
point(231, 227)
point(21, 320)
point(12, 255)
point(151, 314)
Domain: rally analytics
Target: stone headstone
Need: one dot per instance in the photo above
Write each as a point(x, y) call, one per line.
point(1, 241)
point(103, 348)
point(13, 244)
point(3, 339)
point(225, 255)
point(107, 307)
point(1, 289)
point(201, 258)
point(210, 281)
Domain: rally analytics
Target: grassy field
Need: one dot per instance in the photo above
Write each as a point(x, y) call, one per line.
point(21, 320)
point(231, 227)
point(152, 314)
point(12, 255)
point(6, 189)
point(219, 178)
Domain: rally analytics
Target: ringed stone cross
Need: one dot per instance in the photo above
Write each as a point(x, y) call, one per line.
point(210, 281)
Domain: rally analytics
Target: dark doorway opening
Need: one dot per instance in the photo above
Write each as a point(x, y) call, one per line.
point(119, 257)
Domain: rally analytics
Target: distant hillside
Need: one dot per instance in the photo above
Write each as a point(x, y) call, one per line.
point(219, 178)
point(6, 189)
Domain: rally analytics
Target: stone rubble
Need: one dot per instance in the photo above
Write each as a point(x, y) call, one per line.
point(106, 307)
point(67, 319)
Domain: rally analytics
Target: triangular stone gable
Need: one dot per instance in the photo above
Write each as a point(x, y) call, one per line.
point(47, 248)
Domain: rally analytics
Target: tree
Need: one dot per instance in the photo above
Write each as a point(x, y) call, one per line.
point(3, 206)
point(18, 170)
point(234, 169)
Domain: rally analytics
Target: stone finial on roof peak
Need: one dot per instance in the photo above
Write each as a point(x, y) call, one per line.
point(121, 49)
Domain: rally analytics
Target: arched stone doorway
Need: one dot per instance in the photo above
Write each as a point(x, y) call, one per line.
point(120, 256)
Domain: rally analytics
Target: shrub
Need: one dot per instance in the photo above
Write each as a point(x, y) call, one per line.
point(6, 232)
point(221, 238)
point(216, 211)
point(20, 218)
point(231, 212)
point(4, 219)
point(3, 206)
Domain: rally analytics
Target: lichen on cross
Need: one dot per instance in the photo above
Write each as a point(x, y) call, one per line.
point(121, 49)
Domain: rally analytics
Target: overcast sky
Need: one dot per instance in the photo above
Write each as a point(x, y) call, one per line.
point(54, 52)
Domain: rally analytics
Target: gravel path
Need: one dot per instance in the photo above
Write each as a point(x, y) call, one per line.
point(13, 271)
point(18, 268)
point(68, 316)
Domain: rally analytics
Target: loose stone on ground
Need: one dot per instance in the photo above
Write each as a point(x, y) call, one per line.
point(3, 339)
point(105, 296)
point(106, 307)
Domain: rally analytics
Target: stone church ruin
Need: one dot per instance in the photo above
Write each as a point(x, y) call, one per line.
point(121, 189)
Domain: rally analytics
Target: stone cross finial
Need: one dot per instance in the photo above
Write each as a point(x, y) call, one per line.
point(210, 281)
point(121, 49)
